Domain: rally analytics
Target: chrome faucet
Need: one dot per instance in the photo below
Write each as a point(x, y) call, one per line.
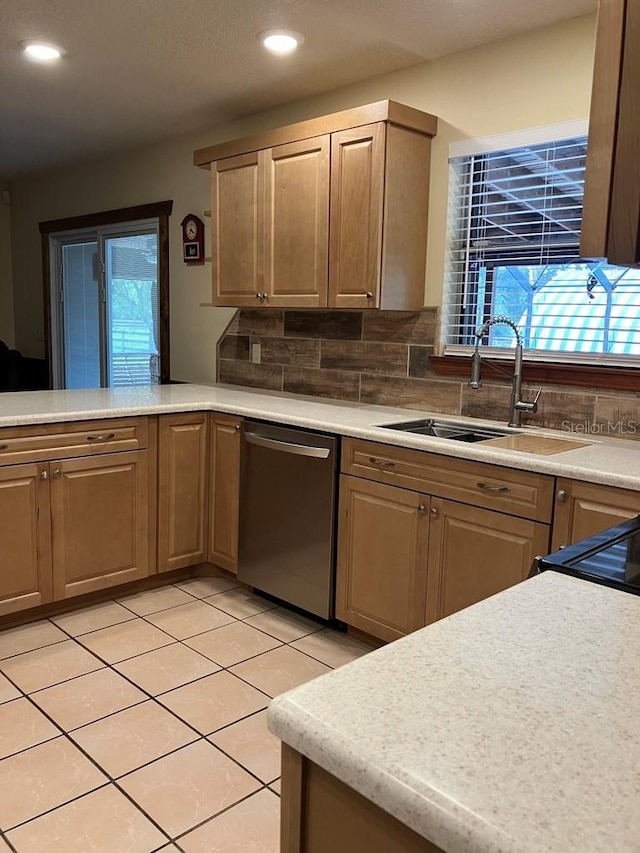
point(517, 406)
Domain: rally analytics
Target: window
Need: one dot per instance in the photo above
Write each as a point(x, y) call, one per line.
point(107, 287)
point(514, 250)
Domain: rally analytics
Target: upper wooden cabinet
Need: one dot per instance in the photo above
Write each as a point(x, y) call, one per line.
point(330, 212)
point(611, 212)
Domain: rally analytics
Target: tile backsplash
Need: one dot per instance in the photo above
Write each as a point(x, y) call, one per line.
point(384, 357)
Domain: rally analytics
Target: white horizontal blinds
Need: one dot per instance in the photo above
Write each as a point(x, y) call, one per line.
point(514, 234)
point(133, 309)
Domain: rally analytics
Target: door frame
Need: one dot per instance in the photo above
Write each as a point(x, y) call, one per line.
point(103, 219)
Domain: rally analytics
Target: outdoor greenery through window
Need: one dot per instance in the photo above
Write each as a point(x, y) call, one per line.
point(514, 229)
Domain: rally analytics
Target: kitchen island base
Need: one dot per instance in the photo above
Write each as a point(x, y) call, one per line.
point(321, 813)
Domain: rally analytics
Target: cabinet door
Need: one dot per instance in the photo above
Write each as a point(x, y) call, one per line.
point(357, 195)
point(297, 223)
point(224, 491)
point(237, 232)
point(99, 522)
point(475, 553)
point(25, 537)
point(583, 509)
point(182, 491)
point(381, 581)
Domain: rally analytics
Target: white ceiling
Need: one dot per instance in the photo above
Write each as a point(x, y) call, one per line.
point(136, 71)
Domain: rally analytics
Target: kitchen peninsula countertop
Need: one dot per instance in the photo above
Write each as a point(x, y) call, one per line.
point(509, 727)
point(614, 462)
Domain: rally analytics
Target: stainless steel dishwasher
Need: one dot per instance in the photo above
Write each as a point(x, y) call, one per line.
point(287, 515)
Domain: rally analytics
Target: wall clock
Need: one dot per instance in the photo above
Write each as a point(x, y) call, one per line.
point(192, 239)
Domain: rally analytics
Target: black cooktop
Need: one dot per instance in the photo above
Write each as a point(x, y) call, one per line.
point(611, 557)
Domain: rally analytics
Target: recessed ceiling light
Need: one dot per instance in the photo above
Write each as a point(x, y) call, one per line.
point(281, 42)
point(41, 51)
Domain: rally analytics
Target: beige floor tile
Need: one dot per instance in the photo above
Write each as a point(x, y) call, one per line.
point(127, 740)
point(232, 643)
point(240, 602)
point(104, 821)
point(152, 600)
point(189, 619)
point(25, 638)
point(252, 826)
point(276, 787)
point(332, 647)
point(188, 786)
point(42, 778)
point(126, 640)
point(93, 618)
point(22, 726)
point(279, 670)
point(4, 847)
point(87, 698)
point(283, 624)
point(49, 665)
point(7, 690)
point(166, 668)
point(202, 587)
point(214, 702)
point(251, 744)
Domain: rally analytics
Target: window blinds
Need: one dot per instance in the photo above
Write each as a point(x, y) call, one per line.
point(513, 248)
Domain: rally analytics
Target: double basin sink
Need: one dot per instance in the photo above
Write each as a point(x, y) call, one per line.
point(449, 429)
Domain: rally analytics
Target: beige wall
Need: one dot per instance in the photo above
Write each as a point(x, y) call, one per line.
point(539, 78)
point(6, 276)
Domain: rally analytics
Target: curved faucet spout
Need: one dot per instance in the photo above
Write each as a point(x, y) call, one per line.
point(517, 405)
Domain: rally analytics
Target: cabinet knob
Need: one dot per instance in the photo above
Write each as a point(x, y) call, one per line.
point(433, 512)
point(369, 294)
point(237, 427)
point(259, 296)
point(56, 473)
point(44, 475)
point(421, 508)
point(561, 496)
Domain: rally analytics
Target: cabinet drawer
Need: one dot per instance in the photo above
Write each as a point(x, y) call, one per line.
point(520, 493)
point(64, 441)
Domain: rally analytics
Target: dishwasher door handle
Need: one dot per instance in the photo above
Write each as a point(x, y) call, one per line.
point(287, 446)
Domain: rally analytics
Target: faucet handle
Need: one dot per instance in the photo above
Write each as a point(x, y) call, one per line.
point(534, 404)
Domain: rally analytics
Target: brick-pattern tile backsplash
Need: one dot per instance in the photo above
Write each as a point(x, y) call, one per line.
point(384, 357)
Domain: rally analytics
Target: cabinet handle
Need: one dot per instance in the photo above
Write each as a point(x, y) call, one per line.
point(561, 496)
point(4, 446)
point(56, 473)
point(433, 512)
point(369, 294)
point(237, 427)
point(381, 463)
point(107, 436)
point(258, 296)
point(44, 475)
point(421, 508)
point(487, 487)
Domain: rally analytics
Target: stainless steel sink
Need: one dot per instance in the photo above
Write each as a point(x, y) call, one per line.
point(449, 429)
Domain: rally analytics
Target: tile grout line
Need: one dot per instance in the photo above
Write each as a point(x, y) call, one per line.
point(149, 696)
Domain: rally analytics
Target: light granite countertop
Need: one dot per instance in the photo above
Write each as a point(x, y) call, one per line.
point(614, 462)
point(509, 727)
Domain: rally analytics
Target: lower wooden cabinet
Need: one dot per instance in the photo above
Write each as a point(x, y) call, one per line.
point(475, 553)
point(224, 490)
point(381, 585)
point(99, 521)
point(406, 559)
point(583, 509)
point(182, 490)
point(25, 538)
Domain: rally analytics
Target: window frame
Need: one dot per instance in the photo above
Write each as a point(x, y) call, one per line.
point(453, 359)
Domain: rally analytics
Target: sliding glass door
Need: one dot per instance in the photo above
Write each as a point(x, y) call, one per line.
point(106, 331)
